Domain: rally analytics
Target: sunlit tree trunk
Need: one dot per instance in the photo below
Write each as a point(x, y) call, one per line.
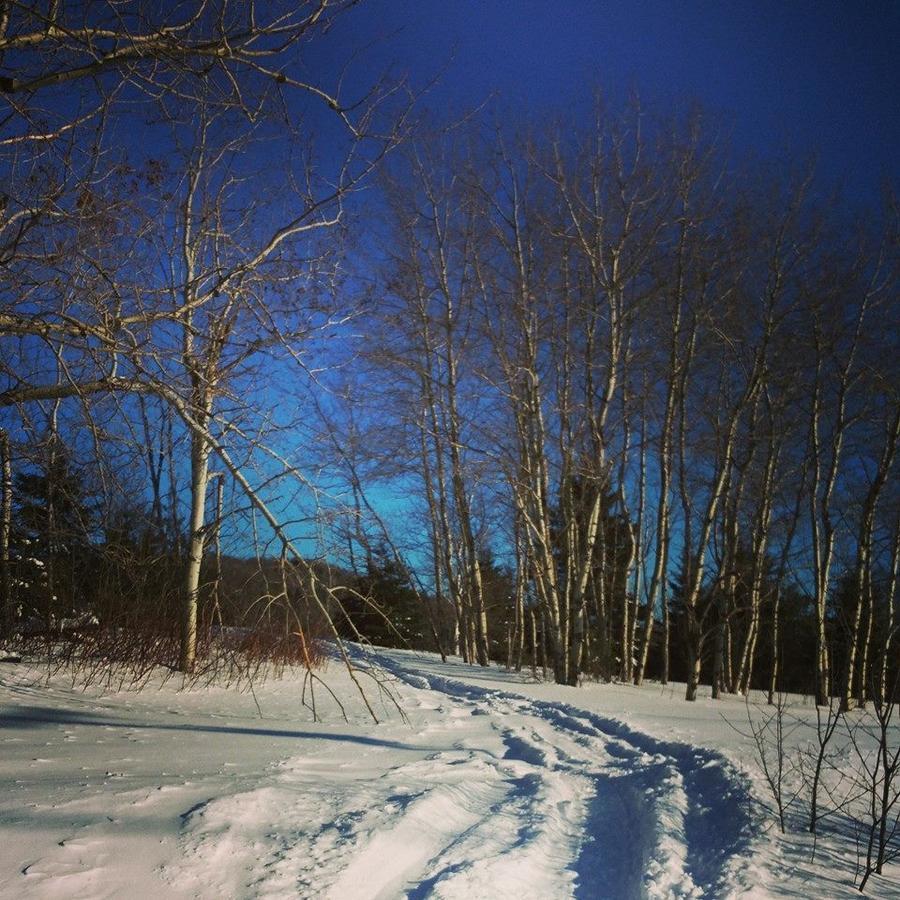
point(863, 575)
point(891, 624)
point(694, 581)
point(6, 494)
point(638, 550)
point(196, 541)
point(758, 566)
point(822, 490)
point(726, 582)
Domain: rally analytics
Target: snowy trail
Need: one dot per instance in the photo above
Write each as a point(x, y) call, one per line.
point(492, 794)
point(487, 793)
point(647, 817)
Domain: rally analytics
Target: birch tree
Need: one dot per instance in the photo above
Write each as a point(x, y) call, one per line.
point(69, 81)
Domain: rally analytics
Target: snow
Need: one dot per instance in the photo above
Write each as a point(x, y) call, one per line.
point(489, 785)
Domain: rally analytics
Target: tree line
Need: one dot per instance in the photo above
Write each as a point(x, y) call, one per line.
point(662, 384)
point(603, 397)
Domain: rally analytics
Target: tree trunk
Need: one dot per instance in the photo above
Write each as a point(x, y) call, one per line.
point(823, 527)
point(6, 492)
point(891, 627)
point(694, 648)
point(864, 563)
point(667, 634)
point(199, 480)
point(543, 645)
point(521, 576)
point(718, 677)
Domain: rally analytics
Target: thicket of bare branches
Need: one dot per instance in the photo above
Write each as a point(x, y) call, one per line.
point(166, 277)
point(836, 776)
point(657, 389)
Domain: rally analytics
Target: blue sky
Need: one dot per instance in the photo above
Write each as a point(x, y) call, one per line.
point(796, 79)
point(790, 81)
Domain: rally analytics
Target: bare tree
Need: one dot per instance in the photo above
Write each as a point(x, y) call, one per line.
point(825, 462)
point(879, 775)
point(770, 732)
point(431, 346)
point(218, 74)
point(863, 575)
point(6, 599)
point(819, 759)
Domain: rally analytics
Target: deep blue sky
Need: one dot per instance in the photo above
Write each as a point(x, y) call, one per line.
point(801, 78)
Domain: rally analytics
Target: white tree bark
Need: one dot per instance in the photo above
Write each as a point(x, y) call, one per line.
point(7, 617)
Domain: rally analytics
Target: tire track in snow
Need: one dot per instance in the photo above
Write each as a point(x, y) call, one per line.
point(713, 806)
point(424, 828)
point(541, 800)
point(664, 819)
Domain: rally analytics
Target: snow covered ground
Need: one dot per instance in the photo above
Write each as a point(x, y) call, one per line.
point(494, 786)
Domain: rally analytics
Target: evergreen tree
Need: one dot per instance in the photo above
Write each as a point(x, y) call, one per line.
point(386, 609)
point(53, 520)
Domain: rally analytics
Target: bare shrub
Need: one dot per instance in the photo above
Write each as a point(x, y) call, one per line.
point(769, 732)
point(876, 744)
point(814, 760)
